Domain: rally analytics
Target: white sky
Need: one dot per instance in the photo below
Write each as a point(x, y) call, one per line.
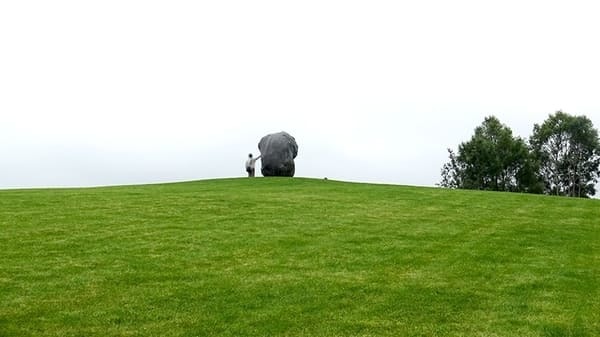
point(119, 92)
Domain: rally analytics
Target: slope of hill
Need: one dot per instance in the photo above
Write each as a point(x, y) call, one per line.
point(296, 257)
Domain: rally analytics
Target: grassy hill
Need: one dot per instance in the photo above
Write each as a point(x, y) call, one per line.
point(296, 257)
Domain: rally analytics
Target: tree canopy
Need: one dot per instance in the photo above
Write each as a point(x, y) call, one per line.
point(493, 159)
point(562, 158)
point(568, 152)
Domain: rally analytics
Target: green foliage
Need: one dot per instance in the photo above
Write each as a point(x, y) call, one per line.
point(452, 172)
point(568, 150)
point(492, 160)
point(296, 257)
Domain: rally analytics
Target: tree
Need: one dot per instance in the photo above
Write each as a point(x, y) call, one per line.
point(568, 150)
point(452, 172)
point(492, 160)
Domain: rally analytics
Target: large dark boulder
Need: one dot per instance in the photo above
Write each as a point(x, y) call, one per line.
point(278, 151)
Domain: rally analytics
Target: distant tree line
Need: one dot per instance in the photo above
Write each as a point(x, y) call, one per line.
point(562, 157)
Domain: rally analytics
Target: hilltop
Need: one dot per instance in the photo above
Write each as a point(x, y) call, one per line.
point(296, 257)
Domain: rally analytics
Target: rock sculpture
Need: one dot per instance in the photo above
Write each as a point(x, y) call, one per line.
point(278, 151)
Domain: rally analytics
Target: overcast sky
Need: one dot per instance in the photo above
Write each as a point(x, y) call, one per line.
point(121, 92)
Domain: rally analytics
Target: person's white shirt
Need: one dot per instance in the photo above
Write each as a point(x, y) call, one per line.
point(251, 162)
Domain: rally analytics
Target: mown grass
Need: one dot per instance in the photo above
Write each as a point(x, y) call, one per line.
point(296, 257)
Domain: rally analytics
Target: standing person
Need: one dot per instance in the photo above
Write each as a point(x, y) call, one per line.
point(250, 165)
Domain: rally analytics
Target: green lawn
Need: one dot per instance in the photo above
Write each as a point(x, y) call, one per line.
point(296, 257)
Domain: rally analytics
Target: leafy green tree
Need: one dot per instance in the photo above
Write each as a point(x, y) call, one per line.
point(452, 172)
point(568, 150)
point(491, 160)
